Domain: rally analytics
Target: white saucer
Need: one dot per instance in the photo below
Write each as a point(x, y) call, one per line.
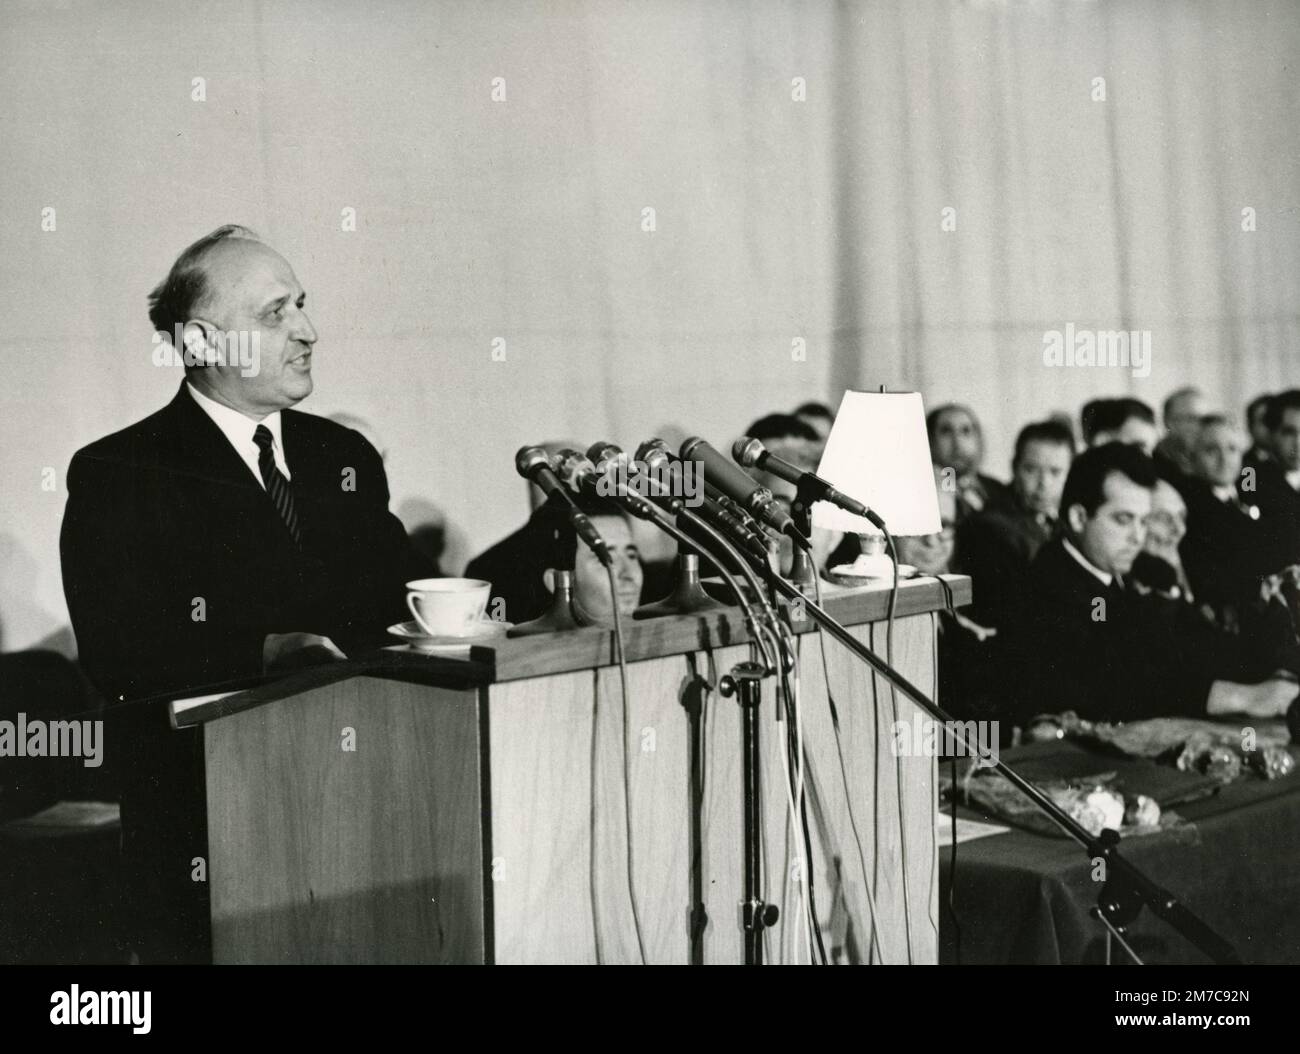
point(412, 634)
point(850, 571)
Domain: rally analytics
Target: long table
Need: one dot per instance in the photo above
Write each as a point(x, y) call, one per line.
point(1022, 897)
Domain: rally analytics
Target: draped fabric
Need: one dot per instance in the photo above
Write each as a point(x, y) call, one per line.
point(506, 282)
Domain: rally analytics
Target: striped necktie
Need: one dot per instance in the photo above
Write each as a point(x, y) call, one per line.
point(276, 485)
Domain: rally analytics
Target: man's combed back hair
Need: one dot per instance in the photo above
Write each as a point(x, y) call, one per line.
point(815, 410)
point(1278, 407)
point(1090, 470)
point(1110, 415)
point(936, 415)
point(172, 301)
point(1043, 432)
point(781, 426)
point(1256, 404)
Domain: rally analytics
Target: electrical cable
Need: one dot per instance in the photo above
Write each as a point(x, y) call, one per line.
point(868, 876)
point(627, 776)
point(898, 768)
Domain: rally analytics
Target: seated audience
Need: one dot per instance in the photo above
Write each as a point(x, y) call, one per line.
point(1086, 641)
point(1224, 551)
point(995, 547)
point(957, 449)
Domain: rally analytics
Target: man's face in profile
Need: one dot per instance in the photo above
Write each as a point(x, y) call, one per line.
point(252, 290)
point(956, 441)
point(591, 583)
point(1113, 535)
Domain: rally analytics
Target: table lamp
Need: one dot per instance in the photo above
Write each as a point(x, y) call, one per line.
point(878, 452)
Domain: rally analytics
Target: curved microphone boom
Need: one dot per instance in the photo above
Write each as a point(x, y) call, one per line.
point(536, 466)
point(579, 473)
point(716, 507)
point(742, 488)
point(751, 453)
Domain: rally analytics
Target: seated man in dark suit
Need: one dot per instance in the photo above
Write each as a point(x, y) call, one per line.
point(1174, 454)
point(957, 450)
point(220, 537)
point(1274, 485)
point(996, 547)
point(1086, 642)
point(1261, 439)
point(1224, 551)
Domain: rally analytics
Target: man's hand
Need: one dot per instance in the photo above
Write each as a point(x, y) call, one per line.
point(289, 651)
point(1266, 700)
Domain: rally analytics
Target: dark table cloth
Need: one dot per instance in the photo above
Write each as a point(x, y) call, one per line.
point(1022, 897)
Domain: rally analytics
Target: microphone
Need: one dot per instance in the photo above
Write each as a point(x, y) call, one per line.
point(606, 456)
point(741, 488)
point(661, 462)
point(535, 465)
point(579, 474)
point(575, 471)
point(751, 453)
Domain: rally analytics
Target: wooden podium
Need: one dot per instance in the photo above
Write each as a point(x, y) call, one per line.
point(507, 808)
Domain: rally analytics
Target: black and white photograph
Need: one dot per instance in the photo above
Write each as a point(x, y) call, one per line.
point(677, 482)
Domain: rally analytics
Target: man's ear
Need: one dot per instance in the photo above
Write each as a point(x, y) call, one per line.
point(548, 579)
point(199, 348)
point(1077, 517)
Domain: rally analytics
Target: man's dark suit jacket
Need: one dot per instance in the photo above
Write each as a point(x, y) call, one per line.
point(1279, 506)
point(1148, 657)
point(176, 566)
point(1225, 551)
point(996, 548)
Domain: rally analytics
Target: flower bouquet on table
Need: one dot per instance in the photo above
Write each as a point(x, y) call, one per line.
point(1227, 752)
point(1095, 802)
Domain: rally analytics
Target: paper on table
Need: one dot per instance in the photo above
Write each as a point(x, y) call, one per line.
point(966, 830)
point(73, 814)
point(179, 706)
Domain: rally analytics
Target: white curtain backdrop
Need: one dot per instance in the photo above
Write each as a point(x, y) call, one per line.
point(519, 224)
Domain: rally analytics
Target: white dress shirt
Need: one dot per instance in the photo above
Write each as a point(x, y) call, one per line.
point(239, 430)
point(1086, 564)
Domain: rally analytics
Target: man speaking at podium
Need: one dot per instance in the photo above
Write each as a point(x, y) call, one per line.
point(221, 537)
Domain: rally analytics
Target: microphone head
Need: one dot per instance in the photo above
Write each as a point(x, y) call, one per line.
point(746, 451)
point(653, 453)
point(573, 468)
point(605, 456)
point(530, 458)
point(689, 445)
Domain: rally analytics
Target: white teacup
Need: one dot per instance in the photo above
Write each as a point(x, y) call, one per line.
point(448, 607)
